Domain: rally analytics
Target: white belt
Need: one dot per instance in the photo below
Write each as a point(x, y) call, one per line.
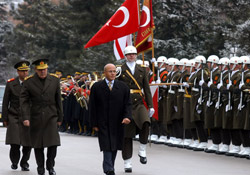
point(195, 89)
point(181, 90)
point(171, 91)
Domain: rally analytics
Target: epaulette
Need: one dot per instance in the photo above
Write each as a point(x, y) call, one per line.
point(10, 80)
point(54, 75)
point(26, 78)
point(143, 65)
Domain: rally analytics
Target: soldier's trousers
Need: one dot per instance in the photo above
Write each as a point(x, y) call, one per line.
point(235, 135)
point(127, 150)
point(216, 135)
point(15, 155)
point(191, 134)
point(201, 131)
point(245, 137)
point(51, 155)
point(178, 129)
point(226, 137)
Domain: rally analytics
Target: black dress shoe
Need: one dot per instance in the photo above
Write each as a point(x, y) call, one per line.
point(41, 173)
point(209, 151)
point(14, 166)
point(52, 171)
point(25, 168)
point(143, 160)
point(110, 173)
point(128, 170)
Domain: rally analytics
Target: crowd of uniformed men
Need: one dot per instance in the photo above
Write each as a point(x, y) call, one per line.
point(198, 99)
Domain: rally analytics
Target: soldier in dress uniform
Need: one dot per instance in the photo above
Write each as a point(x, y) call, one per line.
point(240, 116)
point(214, 79)
point(160, 130)
point(189, 127)
point(136, 78)
point(197, 101)
point(17, 134)
point(59, 73)
point(220, 106)
point(41, 109)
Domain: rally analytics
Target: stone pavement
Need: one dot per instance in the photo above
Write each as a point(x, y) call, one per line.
point(80, 155)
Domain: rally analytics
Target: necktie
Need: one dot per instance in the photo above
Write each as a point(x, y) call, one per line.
point(110, 87)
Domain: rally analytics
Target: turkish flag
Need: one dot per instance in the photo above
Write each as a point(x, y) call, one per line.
point(120, 44)
point(155, 96)
point(125, 21)
point(144, 38)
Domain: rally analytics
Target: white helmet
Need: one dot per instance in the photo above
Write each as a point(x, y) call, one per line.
point(245, 60)
point(234, 61)
point(191, 64)
point(161, 59)
point(173, 62)
point(183, 62)
point(213, 59)
point(130, 49)
point(146, 63)
point(139, 62)
point(224, 61)
point(200, 59)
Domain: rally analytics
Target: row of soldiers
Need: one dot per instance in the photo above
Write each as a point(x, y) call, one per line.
point(203, 97)
point(75, 92)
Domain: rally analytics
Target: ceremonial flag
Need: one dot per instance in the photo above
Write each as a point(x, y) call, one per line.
point(144, 38)
point(125, 21)
point(120, 44)
point(155, 96)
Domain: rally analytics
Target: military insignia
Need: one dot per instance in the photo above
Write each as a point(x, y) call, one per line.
point(227, 81)
point(26, 78)
point(187, 78)
point(164, 78)
point(41, 63)
point(235, 82)
point(248, 81)
point(24, 65)
point(216, 78)
point(10, 80)
point(54, 75)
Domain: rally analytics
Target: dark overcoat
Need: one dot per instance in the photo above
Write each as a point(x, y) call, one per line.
point(16, 133)
point(107, 110)
point(41, 104)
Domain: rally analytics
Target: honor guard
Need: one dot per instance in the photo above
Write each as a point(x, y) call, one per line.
point(17, 134)
point(136, 78)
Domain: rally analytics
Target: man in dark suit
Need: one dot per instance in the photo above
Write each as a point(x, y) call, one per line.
point(110, 109)
point(17, 134)
point(41, 109)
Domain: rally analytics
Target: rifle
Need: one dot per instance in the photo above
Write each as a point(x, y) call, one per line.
point(210, 91)
point(217, 105)
point(228, 106)
point(241, 93)
point(201, 91)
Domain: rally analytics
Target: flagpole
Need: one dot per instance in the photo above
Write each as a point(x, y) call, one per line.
point(153, 53)
point(139, 13)
point(143, 58)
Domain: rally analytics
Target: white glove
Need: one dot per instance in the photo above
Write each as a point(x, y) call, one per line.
point(240, 85)
point(151, 112)
point(228, 86)
point(185, 84)
point(153, 60)
point(201, 82)
point(198, 110)
point(158, 81)
point(219, 85)
point(209, 83)
point(175, 108)
point(164, 86)
point(153, 82)
point(174, 83)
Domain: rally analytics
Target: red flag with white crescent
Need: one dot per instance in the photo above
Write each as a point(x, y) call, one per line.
point(125, 21)
point(120, 44)
point(144, 39)
point(155, 95)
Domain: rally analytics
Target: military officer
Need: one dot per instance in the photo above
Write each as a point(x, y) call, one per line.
point(17, 134)
point(136, 78)
point(41, 109)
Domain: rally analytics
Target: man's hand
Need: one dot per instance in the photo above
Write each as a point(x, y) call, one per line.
point(59, 123)
point(96, 129)
point(125, 121)
point(26, 123)
point(5, 124)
